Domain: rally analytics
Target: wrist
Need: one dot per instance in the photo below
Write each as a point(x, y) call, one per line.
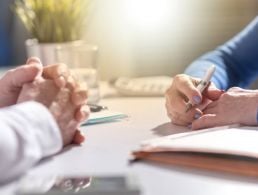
point(251, 114)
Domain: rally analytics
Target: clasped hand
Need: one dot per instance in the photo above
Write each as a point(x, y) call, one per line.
point(52, 86)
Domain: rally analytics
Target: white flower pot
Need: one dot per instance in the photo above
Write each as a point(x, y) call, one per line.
point(46, 51)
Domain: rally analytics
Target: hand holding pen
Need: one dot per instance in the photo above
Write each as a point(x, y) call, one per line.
point(202, 85)
point(188, 96)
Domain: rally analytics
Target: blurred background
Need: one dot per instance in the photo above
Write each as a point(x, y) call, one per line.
point(143, 37)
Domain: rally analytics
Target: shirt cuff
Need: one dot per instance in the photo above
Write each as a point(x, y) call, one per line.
point(43, 125)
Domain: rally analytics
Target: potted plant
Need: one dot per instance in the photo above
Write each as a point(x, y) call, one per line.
point(51, 24)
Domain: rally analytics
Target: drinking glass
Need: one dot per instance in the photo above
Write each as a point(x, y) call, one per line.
point(81, 58)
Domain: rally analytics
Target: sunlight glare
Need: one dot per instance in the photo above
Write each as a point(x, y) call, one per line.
point(147, 13)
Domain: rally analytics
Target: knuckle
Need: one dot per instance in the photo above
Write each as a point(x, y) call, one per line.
point(62, 65)
point(9, 72)
point(179, 78)
point(226, 95)
point(176, 77)
point(62, 69)
point(232, 89)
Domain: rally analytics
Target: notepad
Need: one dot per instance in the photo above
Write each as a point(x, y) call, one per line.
point(104, 116)
point(227, 149)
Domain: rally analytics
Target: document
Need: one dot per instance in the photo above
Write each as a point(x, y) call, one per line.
point(227, 149)
point(104, 116)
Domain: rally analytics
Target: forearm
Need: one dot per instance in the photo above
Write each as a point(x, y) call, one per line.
point(29, 133)
point(236, 60)
point(199, 67)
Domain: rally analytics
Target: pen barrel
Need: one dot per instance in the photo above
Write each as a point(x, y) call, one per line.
point(202, 85)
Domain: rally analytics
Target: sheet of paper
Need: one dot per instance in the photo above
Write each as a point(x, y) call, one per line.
point(238, 140)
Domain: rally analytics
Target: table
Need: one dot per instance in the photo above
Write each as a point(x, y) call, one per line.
point(108, 146)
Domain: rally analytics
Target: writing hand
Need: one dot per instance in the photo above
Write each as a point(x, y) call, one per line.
point(182, 90)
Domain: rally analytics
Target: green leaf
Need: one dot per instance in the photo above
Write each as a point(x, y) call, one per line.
point(53, 20)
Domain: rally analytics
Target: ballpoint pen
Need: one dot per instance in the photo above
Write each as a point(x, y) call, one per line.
point(203, 84)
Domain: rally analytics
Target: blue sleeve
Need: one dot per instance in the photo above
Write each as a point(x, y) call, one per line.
point(236, 61)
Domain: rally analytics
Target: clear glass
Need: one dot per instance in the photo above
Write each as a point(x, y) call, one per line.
point(81, 58)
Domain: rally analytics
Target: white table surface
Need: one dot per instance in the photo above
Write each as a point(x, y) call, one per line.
point(108, 146)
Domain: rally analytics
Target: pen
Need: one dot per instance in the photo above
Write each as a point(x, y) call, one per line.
point(96, 108)
point(203, 84)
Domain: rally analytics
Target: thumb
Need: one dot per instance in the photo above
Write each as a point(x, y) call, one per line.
point(23, 74)
point(36, 63)
point(187, 86)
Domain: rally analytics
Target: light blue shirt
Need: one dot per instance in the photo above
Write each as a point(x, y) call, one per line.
point(236, 61)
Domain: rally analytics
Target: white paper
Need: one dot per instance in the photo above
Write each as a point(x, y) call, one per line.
point(238, 141)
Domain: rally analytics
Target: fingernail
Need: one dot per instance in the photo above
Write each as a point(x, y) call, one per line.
point(197, 99)
point(197, 115)
point(190, 126)
point(33, 60)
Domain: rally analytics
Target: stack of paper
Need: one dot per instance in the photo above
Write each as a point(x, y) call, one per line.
point(226, 149)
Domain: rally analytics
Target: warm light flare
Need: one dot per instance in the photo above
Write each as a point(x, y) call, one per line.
point(147, 13)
